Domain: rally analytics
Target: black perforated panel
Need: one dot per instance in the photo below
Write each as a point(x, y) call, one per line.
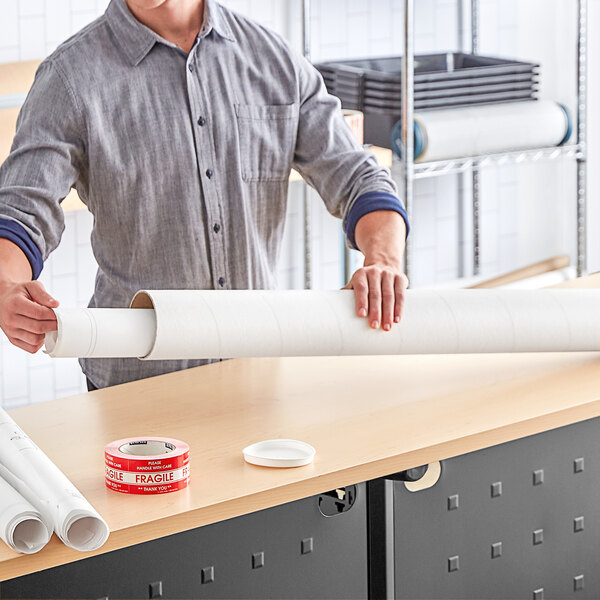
point(289, 551)
point(520, 520)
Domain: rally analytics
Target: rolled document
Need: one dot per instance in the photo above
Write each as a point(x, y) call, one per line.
point(22, 527)
point(47, 488)
point(543, 280)
point(115, 332)
point(487, 129)
point(190, 324)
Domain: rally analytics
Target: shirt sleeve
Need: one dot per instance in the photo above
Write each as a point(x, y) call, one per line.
point(44, 163)
point(368, 203)
point(330, 159)
point(11, 230)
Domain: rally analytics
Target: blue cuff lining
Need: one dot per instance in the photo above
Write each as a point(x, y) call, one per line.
point(13, 231)
point(371, 202)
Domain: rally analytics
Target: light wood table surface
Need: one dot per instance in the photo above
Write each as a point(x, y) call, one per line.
point(366, 417)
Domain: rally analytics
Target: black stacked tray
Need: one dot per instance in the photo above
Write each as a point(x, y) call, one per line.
point(440, 81)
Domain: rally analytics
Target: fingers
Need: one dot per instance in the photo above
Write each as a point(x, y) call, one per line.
point(33, 339)
point(31, 346)
point(28, 334)
point(374, 279)
point(400, 285)
point(379, 294)
point(25, 307)
point(360, 286)
point(27, 347)
point(26, 315)
point(38, 294)
point(33, 325)
point(388, 300)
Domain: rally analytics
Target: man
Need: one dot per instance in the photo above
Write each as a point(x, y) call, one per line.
point(178, 122)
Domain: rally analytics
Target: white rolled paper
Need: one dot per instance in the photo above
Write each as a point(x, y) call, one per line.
point(115, 332)
point(543, 280)
point(233, 324)
point(47, 488)
point(470, 131)
point(22, 527)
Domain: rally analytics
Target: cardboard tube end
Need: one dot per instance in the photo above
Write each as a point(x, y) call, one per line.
point(142, 299)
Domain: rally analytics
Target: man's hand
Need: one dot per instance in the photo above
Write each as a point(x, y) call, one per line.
point(379, 293)
point(380, 284)
point(25, 314)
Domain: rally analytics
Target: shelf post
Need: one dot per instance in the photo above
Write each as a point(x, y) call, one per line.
point(475, 173)
point(407, 100)
point(581, 137)
point(460, 177)
point(306, 51)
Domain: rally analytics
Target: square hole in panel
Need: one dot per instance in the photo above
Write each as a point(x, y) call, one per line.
point(258, 560)
point(207, 575)
point(453, 502)
point(155, 589)
point(453, 564)
point(496, 489)
point(497, 550)
point(307, 545)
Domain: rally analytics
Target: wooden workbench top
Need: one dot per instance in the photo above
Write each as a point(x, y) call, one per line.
point(366, 417)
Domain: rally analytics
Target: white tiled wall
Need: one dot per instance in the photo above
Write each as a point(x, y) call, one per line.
point(527, 211)
point(31, 29)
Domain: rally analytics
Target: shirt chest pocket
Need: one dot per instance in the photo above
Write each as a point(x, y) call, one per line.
point(267, 136)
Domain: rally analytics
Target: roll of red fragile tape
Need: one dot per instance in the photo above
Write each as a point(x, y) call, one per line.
point(147, 465)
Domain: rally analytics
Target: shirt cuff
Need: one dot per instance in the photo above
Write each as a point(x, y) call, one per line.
point(371, 202)
point(13, 231)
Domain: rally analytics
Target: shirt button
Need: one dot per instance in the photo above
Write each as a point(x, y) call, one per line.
point(216, 228)
point(201, 121)
point(191, 67)
point(221, 281)
point(209, 173)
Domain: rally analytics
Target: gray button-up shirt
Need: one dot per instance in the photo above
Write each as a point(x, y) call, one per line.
point(182, 159)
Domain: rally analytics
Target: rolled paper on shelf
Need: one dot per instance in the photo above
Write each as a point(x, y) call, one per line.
point(27, 469)
point(22, 527)
point(241, 323)
point(503, 279)
point(487, 129)
point(542, 267)
point(543, 280)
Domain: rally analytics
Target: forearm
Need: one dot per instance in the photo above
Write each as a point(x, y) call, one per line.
point(14, 266)
point(381, 236)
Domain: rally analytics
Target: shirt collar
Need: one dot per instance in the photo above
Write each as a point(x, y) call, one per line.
point(137, 40)
point(215, 18)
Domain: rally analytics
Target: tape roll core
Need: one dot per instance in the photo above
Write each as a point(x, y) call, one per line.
point(147, 448)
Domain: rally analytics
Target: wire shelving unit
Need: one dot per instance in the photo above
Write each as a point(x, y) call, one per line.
point(411, 171)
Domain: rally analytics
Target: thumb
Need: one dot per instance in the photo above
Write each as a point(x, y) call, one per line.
point(38, 294)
